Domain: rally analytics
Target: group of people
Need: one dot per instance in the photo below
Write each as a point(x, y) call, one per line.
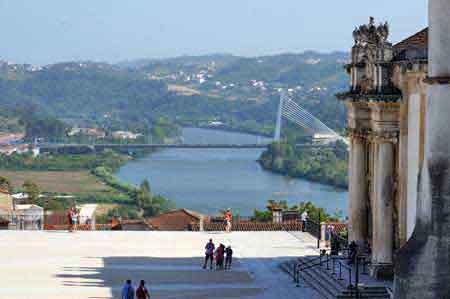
point(222, 255)
point(128, 291)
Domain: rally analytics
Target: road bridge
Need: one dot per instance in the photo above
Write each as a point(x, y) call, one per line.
point(100, 147)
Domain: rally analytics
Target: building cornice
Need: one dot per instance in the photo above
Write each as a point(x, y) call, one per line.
point(383, 137)
point(359, 134)
point(378, 106)
point(441, 80)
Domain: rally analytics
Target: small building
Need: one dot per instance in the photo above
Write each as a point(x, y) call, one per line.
point(125, 135)
point(5, 209)
point(178, 220)
point(29, 217)
point(87, 214)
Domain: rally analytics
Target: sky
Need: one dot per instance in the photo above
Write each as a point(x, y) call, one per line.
point(49, 31)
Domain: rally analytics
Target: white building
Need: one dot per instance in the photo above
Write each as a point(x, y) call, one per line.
point(29, 217)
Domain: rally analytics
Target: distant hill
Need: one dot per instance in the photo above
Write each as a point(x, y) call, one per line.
point(179, 61)
point(243, 92)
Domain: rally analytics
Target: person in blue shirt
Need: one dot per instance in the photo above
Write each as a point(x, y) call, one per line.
point(209, 254)
point(128, 290)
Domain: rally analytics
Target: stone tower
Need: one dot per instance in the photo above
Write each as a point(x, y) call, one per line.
point(373, 126)
point(423, 266)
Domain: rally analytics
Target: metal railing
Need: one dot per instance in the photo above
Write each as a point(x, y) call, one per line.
point(339, 269)
point(299, 267)
point(314, 228)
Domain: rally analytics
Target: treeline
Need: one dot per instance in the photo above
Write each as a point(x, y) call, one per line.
point(326, 165)
point(143, 201)
point(315, 213)
point(63, 162)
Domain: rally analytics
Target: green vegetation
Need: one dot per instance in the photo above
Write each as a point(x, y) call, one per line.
point(65, 162)
point(135, 97)
point(87, 177)
point(5, 184)
point(314, 213)
point(144, 203)
point(328, 165)
point(49, 128)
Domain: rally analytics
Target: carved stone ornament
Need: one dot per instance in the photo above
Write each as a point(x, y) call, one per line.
point(371, 34)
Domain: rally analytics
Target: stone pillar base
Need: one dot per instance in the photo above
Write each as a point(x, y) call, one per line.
point(382, 271)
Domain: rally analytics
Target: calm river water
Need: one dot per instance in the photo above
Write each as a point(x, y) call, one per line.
point(207, 180)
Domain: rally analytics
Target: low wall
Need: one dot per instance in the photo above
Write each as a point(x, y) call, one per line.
point(251, 226)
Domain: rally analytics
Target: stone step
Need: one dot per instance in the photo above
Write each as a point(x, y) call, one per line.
point(317, 278)
point(367, 293)
point(364, 296)
point(288, 268)
point(327, 284)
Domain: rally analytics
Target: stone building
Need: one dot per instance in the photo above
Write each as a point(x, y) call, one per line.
point(386, 124)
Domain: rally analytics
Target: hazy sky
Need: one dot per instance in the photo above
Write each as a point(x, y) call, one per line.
point(48, 31)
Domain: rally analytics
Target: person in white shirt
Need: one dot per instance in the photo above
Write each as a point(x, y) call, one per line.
point(304, 218)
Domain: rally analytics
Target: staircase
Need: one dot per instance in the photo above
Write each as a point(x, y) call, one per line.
point(329, 285)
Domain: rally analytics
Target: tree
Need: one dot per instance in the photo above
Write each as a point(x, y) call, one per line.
point(32, 190)
point(5, 184)
point(145, 187)
point(143, 195)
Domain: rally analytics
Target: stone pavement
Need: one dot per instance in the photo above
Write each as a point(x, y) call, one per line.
point(55, 265)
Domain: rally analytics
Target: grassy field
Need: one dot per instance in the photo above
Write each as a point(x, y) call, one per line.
point(58, 181)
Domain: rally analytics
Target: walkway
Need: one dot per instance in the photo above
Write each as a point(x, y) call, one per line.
point(80, 265)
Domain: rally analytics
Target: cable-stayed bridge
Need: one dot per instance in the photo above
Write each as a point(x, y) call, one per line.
point(322, 135)
point(293, 112)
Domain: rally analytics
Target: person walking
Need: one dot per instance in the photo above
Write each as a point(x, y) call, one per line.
point(220, 254)
point(209, 254)
point(304, 218)
point(74, 219)
point(228, 219)
point(229, 258)
point(69, 219)
point(328, 232)
point(128, 290)
point(142, 292)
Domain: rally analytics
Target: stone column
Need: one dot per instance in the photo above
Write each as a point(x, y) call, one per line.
point(423, 268)
point(358, 190)
point(383, 206)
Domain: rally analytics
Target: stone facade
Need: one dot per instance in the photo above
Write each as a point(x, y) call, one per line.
point(386, 124)
point(423, 265)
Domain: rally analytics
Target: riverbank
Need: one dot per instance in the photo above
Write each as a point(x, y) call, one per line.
point(87, 178)
point(326, 166)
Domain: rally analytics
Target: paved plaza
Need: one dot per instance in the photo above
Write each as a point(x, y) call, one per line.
point(61, 265)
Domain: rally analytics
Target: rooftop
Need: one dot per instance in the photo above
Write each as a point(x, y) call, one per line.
point(413, 47)
point(95, 264)
point(178, 220)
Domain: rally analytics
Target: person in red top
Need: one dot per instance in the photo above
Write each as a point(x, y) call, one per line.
point(142, 292)
point(228, 219)
point(69, 219)
point(220, 255)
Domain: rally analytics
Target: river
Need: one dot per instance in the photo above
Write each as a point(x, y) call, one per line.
point(207, 180)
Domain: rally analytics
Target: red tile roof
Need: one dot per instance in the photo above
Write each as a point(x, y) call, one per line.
point(418, 40)
point(178, 220)
point(4, 191)
point(414, 48)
